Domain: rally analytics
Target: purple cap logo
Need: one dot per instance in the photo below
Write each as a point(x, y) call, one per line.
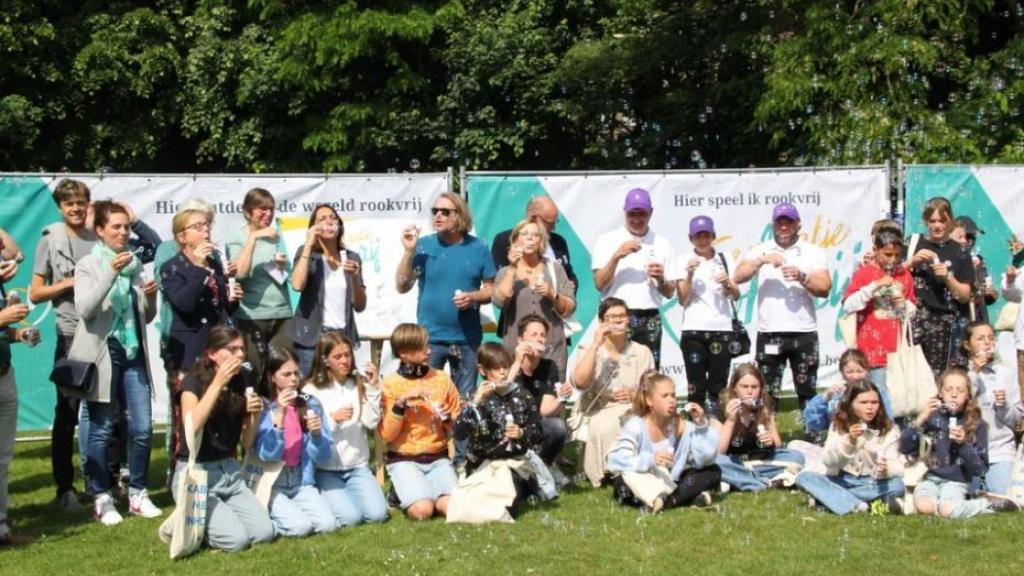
point(700, 224)
point(785, 210)
point(638, 199)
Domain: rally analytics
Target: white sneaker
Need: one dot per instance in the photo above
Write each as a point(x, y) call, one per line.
point(104, 510)
point(68, 501)
point(724, 487)
point(140, 505)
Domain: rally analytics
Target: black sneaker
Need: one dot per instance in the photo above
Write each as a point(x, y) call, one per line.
point(895, 504)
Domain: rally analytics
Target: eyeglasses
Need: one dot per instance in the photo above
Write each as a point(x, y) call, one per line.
point(198, 226)
point(615, 317)
point(446, 212)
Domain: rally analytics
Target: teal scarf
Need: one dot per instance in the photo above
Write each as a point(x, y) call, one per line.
point(120, 294)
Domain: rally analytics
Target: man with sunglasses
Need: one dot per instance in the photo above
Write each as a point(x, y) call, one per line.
point(455, 274)
point(629, 263)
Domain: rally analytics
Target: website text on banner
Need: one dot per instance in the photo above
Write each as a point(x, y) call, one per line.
point(837, 208)
point(374, 208)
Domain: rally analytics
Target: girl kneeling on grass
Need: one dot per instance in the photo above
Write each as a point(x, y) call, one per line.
point(352, 403)
point(660, 459)
point(995, 388)
point(861, 460)
point(213, 393)
point(749, 446)
point(419, 402)
point(291, 432)
point(958, 455)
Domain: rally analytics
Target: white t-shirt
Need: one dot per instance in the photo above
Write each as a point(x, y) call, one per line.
point(630, 282)
point(335, 296)
point(785, 305)
point(708, 307)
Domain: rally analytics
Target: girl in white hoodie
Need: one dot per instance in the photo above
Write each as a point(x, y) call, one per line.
point(351, 402)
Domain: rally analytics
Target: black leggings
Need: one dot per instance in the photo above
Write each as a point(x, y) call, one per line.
point(707, 359)
point(800, 350)
point(688, 487)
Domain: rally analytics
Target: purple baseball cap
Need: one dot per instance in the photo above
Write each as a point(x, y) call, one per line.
point(638, 199)
point(700, 224)
point(785, 210)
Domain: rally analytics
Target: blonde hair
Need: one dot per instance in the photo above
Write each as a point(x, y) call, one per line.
point(648, 383)
point(180, 221)
point(542, 231)
point(461, 210)
point(408, 338)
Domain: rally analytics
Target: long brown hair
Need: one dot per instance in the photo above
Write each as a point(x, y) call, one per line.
point(277, 358)
point(972, 412)
point(765, 409)
point(341, 226)
point(205, 369)
point(844, 414)
point(320, 372)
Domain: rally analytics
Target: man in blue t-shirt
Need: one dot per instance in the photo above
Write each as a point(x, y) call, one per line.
point(456, 275)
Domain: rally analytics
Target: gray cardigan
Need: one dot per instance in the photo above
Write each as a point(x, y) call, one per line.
point(309, 314)
point(96, 318)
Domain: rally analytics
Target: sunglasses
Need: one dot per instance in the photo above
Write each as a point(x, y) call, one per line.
point(446, 212)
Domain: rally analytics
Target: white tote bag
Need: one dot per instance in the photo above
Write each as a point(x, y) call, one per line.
point(185, 528)
point(260, 476)
point(908, 377)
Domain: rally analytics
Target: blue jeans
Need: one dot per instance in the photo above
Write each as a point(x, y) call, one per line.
point(843, 493)
point(305, 356)
point(131, 392)
point(461, 359)
point(997, 479)
point(235, 519)
point(877, 377)
point(414, 481)
point(951, 495)
point(354, 495)
point(755, 478)
point(298, 510)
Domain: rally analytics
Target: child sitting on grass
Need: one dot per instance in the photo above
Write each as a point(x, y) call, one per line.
point(958, 454)
point(861, 461)
point(660, 460)
point(416, 425)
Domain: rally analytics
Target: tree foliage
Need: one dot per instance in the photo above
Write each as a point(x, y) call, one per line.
point(360, 85)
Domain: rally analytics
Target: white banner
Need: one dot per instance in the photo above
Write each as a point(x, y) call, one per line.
point(374, 209)
point(837, 208)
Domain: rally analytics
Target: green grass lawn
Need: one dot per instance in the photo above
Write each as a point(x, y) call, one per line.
point(584, 532)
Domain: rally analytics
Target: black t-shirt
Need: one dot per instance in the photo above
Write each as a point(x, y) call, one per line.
point(930, 290)
point(541, 382)
point(223, 428)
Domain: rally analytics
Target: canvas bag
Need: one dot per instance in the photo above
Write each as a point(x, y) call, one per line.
point(260, 476)
point(185, 529)
point(1007, 317)
point(908, 376)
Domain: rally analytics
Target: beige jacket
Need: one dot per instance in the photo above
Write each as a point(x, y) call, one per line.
point(96, 319)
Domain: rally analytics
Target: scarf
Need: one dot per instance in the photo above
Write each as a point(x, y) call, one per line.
point(412, 371)
point(120, 294)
